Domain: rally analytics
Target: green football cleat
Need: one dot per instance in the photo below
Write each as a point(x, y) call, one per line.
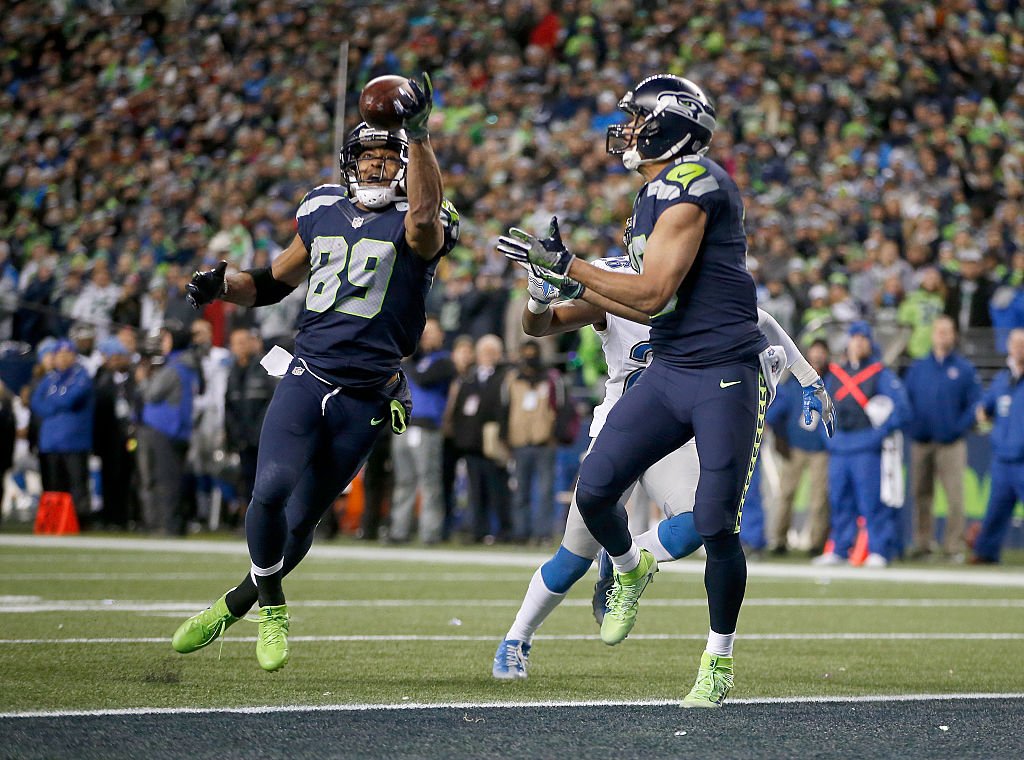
point(714, 679)
point(272, 640)
point(203, 629)
point(623, 597)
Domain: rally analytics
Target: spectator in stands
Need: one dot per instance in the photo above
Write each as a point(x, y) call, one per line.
point(168, 383)
point(920, 309)
point(943, 390)
point(462, 361)
point(531, 398)
point(968, 299)
point(1003, 406)
point(114, 433)
point(63, 402)
point(214, 365)
point(803, 450)
point(417, 455)
point(473, 415)
point(871, 405)
point(247, 396)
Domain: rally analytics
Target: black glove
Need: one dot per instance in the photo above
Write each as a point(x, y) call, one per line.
point(206, 287)
point(400, 406)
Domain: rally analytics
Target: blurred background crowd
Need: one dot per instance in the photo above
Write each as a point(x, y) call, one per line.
point(879, 146)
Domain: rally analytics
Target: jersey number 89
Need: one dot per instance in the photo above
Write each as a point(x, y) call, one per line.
point(364, 270)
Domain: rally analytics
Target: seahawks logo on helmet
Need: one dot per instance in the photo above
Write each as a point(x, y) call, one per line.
point(372, 192)
point(671, 116)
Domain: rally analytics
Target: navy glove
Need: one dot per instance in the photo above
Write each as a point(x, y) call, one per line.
point(816, 399)
point(206, 287)
point(415, 110)
point(548, 253)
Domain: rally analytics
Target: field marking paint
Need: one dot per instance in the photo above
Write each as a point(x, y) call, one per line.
point(31, 604)
point(498, 558)
point(566, 637)
point(233, 577)
point(264, 709)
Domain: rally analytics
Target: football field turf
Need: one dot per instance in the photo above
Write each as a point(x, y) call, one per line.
point(391, 653)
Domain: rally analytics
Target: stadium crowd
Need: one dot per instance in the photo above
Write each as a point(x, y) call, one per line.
point(879, 146)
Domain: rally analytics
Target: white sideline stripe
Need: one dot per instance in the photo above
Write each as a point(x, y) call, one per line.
point(570, 637)
point(30, 604)
point(226, 577)
point(498, 558)
point(264, 709)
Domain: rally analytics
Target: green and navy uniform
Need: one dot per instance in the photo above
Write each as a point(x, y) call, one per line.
point(364, 311)
point(704, 381)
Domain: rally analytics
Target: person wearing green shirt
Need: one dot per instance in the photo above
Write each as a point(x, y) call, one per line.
point(919, 309)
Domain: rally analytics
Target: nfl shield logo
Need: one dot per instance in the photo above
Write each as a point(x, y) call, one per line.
point(357, 221)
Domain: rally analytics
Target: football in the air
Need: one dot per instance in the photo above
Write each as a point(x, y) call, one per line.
point(378, 103)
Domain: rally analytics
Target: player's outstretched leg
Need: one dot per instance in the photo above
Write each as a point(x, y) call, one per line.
point(547, 589)
point(671, 539)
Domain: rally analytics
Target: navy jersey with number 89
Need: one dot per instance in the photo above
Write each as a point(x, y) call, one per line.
point(364, 307)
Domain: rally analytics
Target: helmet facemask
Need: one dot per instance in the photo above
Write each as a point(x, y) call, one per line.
point(367, 177)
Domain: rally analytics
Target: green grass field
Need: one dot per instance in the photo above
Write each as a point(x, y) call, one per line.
point(355, 619)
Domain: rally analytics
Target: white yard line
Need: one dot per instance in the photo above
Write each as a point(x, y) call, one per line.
point(499, 558)
point(261, 710)
point(568, 637)
point(229, 577)
point(30, 604)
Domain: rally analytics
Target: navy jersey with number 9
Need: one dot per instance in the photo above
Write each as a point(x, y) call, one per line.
point(364, 307)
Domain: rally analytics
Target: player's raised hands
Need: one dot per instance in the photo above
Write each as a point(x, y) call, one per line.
point(546, 253)
point(206, 287)
point(415, 108)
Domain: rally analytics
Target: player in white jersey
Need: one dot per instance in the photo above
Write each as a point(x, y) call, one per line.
point(671, 482)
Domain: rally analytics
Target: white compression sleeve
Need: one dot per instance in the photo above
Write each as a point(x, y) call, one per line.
point(798, 365)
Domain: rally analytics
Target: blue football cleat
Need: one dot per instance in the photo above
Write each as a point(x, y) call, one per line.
point(603, 586)
point(511, 660)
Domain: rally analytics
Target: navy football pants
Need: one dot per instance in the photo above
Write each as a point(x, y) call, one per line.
point(314, 441)
point(722, 406)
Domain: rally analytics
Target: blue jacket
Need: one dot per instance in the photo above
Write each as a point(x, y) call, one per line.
point(868, 438)
point(943, 396)
point(64, 403)
point(1004, 400)
point(172, 414)
point(786, 415)
point(429, 377)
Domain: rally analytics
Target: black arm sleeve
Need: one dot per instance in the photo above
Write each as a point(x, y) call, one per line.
point(268, 289)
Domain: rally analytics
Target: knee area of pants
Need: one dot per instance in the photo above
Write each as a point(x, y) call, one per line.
point(722, 545)
point(596, 472)
point(563, 570)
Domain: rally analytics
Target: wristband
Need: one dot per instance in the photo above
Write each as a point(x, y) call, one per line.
point(804, 372)
point(537, 307)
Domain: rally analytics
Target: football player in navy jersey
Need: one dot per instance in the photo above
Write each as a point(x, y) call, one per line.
point(687, 242)
point(369, 251)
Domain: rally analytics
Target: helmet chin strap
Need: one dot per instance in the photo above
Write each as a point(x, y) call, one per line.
point(632, 159)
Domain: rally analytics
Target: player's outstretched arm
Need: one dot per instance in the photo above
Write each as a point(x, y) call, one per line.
point(424, 187)
point(614, 307)
point(670, 252)
point(562, 317)
point(254, 287)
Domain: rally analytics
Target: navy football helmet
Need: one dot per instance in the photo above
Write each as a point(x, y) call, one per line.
point(671, 116)
point(370, 191)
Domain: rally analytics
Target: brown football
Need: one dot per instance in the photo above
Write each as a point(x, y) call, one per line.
point(379, 100)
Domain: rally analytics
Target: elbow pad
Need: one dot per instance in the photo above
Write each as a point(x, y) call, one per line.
point(268, 289)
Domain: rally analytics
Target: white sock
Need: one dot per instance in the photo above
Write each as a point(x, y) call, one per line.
point(628, 561)
point(720, 643)
point(538, 603)
point(652, 543)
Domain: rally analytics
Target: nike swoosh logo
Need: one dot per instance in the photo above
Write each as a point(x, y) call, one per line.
point(376, 422)
point(723, 384)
